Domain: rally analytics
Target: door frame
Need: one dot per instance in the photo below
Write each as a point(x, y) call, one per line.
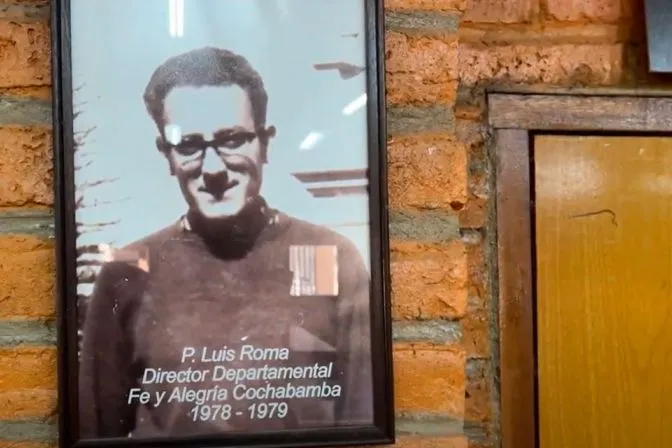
point(513, 120)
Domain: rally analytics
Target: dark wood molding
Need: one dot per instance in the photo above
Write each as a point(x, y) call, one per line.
point(574, 91)
point(580, 113)
point(514, 119)
point(516, 308)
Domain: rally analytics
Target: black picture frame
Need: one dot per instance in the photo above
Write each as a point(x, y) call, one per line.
point(382, 431)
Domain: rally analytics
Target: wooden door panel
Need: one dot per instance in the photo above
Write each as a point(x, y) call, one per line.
point(603, 216)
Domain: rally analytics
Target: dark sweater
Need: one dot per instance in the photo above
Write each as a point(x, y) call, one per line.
point(189, 297)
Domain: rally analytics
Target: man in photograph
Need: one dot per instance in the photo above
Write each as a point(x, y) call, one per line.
point(236, 317)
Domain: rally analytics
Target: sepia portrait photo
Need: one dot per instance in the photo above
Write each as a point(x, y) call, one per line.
point(222, 208)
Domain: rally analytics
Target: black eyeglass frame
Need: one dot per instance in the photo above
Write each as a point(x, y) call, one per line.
point(219, 144)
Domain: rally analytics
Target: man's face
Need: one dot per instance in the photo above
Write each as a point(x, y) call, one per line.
point(215, 154)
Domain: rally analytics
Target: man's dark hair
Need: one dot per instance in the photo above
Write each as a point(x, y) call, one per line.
point(207, 66)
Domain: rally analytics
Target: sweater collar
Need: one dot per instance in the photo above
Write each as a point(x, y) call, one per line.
point(235, 236)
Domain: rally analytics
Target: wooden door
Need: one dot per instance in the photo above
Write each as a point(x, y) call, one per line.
point(603, 216)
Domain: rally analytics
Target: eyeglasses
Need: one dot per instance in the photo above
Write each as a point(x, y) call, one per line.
point(230, 139)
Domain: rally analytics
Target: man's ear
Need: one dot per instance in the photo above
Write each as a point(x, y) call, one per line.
point(160, 145)
point(264, 153)
point(269, 133)
point(170, 165)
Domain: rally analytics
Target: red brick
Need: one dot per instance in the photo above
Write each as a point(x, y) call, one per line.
point(474, 215)
point(466, 112)
point(425, 56)
point(419, 441)
point(412, 90)
point(29, 2)
point(420, 69)
point(475, 212)
point(559, 64)
point(26, 277)
point(27, 368)
point(27, 404)
point(470, 132)
point(430, 378)
point(481, 444)
point(25, 56)
point(428, 280)
point(30, 92)
point(475, 331)
point(476, 322)
point(426, 5)
point(431, 442)
point(427, 172)
point(498, 11)
point(476, 268)
point(478, 404)
point(26, 167)
point(16, 444)
point(585, 10)
point(579, 33)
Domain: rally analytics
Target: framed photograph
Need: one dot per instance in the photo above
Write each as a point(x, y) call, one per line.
point(222, 223)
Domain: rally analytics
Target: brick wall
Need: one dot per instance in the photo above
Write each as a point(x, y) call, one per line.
point(440, 56)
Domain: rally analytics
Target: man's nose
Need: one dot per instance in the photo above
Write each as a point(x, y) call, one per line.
point(212, 162)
